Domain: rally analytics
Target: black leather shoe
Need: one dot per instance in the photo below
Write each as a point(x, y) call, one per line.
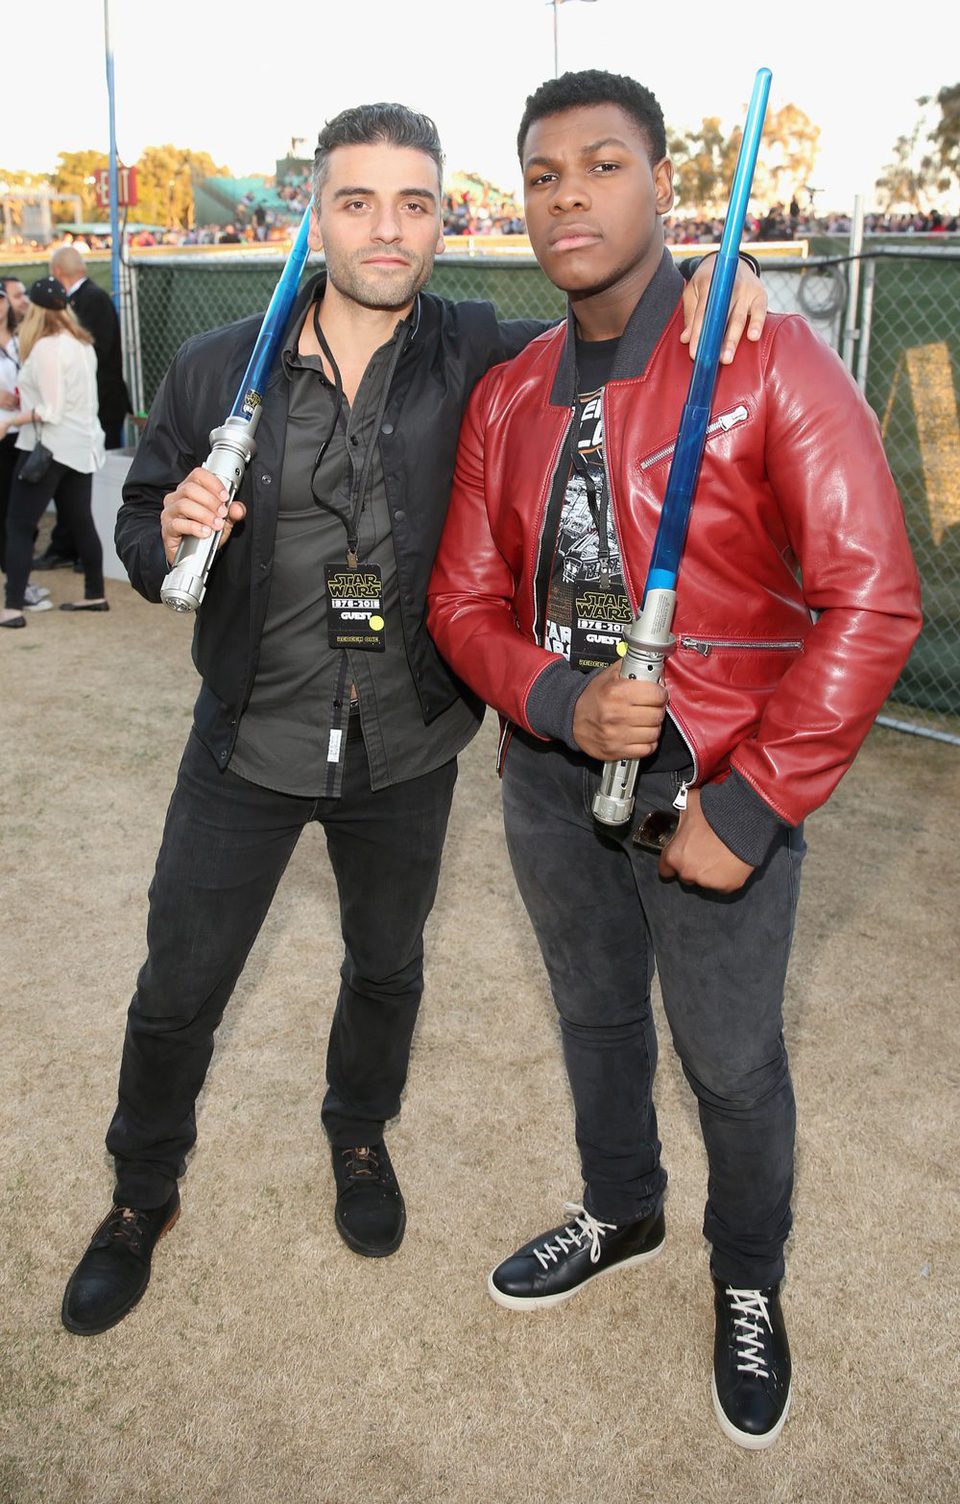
point(751, 1365)
point(52, 561)
point(370, 1214)
point(85, 606)
point(560, 1262)
point(115, 1270)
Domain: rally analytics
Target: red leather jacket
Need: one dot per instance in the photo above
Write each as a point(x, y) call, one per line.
point(777, 679)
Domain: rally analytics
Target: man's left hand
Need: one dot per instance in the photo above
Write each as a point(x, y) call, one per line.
point(697, 855)
point(748, 307)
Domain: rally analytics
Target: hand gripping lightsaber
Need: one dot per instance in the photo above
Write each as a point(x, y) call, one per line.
point(649, 639)
point(233, 443)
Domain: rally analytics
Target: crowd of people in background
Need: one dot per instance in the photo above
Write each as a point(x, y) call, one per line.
point(465, 213)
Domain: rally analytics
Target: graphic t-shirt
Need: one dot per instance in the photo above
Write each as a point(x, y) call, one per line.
point(587, 606)
point(587, 603)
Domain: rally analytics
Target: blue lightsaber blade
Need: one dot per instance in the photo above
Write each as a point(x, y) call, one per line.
point(233, 443)
point(649, 639)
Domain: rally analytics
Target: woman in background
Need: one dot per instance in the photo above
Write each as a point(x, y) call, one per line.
point(13, 302)
point(58, 406)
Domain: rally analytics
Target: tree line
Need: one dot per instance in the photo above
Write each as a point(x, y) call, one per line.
point(925, 164)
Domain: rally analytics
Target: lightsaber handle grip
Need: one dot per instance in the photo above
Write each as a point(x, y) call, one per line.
point(233, 449)
point(649, 643)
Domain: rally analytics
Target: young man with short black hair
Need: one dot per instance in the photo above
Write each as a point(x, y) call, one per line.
point(797, 606)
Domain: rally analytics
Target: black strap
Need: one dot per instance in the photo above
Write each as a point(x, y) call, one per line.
point(352, 523)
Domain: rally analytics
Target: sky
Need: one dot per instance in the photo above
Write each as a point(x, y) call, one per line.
point(203, 75)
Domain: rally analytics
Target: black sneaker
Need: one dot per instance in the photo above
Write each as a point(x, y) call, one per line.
point(560, 1262)
point(115, 1270)
point(53, 561)
point(751, 1365)
point(370, 1214)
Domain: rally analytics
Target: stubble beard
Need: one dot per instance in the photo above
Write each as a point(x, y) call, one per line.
point(351, 281)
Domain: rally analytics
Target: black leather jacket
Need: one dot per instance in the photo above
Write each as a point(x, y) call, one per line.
point(453, 346)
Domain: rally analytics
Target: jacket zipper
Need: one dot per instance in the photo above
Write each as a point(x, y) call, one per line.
point(722, 423)
point(705, 645)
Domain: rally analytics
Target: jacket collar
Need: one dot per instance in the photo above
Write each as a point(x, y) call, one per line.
point(644, 328)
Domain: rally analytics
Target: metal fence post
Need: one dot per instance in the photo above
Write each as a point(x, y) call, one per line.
point(856, 251)
point(866, 324)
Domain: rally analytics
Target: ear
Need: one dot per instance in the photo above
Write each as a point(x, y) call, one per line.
point(663, 185)
point(314, 236)
point(441, 245)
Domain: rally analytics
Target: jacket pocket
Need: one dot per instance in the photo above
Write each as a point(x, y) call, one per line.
point(752, 664)
point(722, 423)
point(707, 645)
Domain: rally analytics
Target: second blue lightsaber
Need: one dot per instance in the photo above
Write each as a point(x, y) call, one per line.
point(233, 443)
point(649, 638)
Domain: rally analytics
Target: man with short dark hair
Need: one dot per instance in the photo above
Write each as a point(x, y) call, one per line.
point(323, 698)
point(797, 605)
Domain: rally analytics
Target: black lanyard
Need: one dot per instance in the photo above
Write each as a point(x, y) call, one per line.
point(597, 511)
point(351, 521)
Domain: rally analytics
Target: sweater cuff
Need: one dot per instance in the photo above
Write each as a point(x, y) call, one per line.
point(690, 264)
point(553, 699)
point(744, 822)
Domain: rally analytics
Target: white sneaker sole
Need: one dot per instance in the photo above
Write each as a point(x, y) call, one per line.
point(746, 1438)
point(542, 1302)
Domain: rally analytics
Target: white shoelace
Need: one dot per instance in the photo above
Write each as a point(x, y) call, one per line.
point(569, 1237)
point(751, 1308)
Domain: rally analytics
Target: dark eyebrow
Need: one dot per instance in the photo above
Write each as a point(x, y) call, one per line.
point(585, 151)
point(371, 193)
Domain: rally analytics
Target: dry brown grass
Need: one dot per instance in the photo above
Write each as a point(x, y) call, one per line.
point(268, 1363)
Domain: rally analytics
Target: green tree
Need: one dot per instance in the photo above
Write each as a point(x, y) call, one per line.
point(703, 162)
point(926, 163)
point(907, 180)
point(788, 154)
point(945, 138)
point(165, 180)
point(705, 159)
point(74, 174)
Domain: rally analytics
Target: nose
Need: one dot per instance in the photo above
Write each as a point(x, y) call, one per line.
point(570, 192)
point(387, 227)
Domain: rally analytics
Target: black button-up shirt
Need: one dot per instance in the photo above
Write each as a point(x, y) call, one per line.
point(292, 735)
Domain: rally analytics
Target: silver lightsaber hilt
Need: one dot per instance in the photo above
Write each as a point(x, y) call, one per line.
point(233, 449)
point(649, 643)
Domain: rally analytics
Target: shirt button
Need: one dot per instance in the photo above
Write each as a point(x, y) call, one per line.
point(400, 514)
point(387, 428)
point(354, 440)
point(266, 480)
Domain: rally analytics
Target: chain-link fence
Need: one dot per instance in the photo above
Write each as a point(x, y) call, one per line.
point(901, 342)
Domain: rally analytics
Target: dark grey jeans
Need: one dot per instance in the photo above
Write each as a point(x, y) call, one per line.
point(604, 919)
point(225, 846)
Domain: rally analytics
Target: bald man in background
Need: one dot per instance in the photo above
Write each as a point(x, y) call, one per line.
point(94, 308)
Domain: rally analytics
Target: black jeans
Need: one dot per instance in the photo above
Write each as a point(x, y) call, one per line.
point(225, 846)
point(604, 918)
point(28, 502)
